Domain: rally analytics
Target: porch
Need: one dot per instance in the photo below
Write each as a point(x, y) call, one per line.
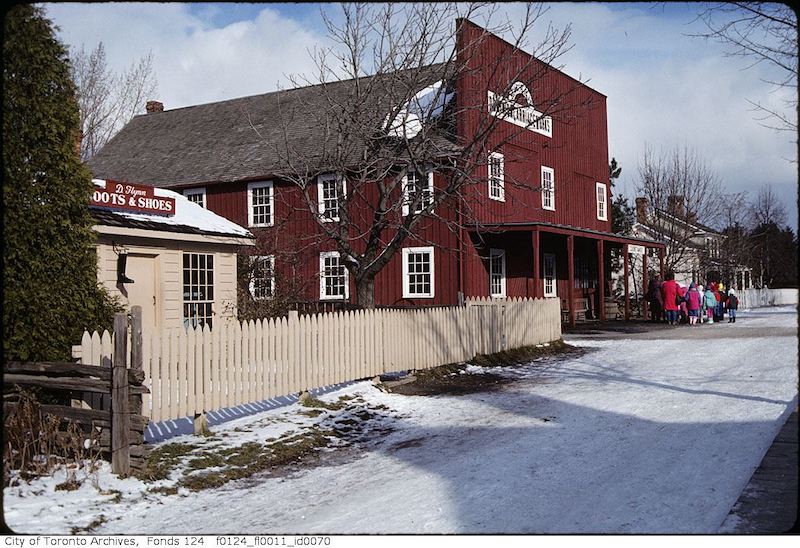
point(589, 271)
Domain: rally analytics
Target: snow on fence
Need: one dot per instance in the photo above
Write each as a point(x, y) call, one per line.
point(755, 298)
point(194, 371)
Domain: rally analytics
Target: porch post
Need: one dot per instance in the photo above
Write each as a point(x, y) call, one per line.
point(537, 281)
point(601, 281)
point(625, 278)
point(661, 262)
point(644, 283)
point(571, 281)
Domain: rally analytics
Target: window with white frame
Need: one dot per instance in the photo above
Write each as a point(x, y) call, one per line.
point(602, 206)
point(333, 277)
point(198, 289)
point(497, 272)
point(328, 197)
point(548, 189)
point(196, 196)
point(549, 275)
point(260, 204)
point(418, 272)
point(262, 277)
point(497, 187)
point(417, 186)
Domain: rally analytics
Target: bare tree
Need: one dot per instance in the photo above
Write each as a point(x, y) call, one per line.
point(679, 188)
point(767, 208)
point(397, 116)
point(764, 32)
point(108, 100)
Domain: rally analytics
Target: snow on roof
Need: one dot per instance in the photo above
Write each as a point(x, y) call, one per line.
point(187, 214)
point(428, 103)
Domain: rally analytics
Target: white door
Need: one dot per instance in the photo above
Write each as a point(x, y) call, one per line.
point(142, 269)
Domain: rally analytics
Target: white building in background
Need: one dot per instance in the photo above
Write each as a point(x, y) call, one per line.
point(697, 246)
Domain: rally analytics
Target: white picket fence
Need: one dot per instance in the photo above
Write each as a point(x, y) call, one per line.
point(756, 298)
point(194, 371)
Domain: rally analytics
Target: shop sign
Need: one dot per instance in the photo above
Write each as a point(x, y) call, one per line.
point(509, 109)
point(132, 197)
point(636, 249)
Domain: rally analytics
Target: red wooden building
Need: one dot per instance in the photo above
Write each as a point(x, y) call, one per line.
point(539, 222)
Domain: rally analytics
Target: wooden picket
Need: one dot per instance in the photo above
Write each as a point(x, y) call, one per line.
point(194, 371)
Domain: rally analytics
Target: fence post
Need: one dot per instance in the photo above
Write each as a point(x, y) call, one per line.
point(120, 406)
point(137, 355)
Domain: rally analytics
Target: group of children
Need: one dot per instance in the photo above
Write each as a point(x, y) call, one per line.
point(671, 302)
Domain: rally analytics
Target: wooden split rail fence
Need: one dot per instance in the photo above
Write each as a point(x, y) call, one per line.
point(193, 371)
point(117, 422)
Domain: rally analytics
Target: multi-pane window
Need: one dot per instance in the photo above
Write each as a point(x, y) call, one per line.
point(198, 289)
point(260, 204)
point(548, 189)
point(602, 209)
point(418, 272)
point(417, 187)
point(196, 196)
point(549, 275)
point(497, 189)
point(333, 277)
point(328, 196)
point(262, 277)
point(497, 272)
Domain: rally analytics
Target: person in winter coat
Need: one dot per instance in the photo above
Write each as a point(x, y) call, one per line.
point(655, 300)
point(683, 312)
point(693, 301)
point(733, 304)
point(669, 293)
point(709, 304)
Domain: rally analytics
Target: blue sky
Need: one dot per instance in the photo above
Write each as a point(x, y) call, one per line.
point(665, 89)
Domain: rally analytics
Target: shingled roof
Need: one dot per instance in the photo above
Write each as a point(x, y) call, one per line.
point(231, 140)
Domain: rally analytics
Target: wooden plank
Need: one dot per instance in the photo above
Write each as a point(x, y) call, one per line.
point(58, 369)
point(137, 354)
point(120, 410)
point(96, 386)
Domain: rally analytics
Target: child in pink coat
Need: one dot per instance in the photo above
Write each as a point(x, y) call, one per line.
point(693, 300)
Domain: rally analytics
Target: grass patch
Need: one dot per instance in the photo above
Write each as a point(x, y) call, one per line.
point(161, 461)
point(252, 458)
point(163, 490)
point(313, 402)
point(205, 461)
point(100, 520)
point(521, 355)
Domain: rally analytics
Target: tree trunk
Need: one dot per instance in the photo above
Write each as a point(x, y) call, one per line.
point(365, 292)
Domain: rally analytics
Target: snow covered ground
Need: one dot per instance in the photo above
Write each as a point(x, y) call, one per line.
point(642, 434)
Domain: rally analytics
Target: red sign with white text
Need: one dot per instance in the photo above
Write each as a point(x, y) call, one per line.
point(131, 197)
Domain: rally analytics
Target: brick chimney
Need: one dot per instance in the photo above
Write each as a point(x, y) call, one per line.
point(641, 210)
point(675, 206)
point(154, 106)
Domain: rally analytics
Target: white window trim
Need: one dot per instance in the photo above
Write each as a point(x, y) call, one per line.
point(502, 197)
point(322, 295)
point(551, 171)
point(502, 254)
point(406, 286)
point(260, 184)
point(597, 188)
point(554, 292)
point(271, 260)
point(196, 192)
point(320, 195)
point(406, 208)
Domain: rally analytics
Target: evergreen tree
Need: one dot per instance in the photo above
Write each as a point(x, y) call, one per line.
point(622, 215)
point(50, 288)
